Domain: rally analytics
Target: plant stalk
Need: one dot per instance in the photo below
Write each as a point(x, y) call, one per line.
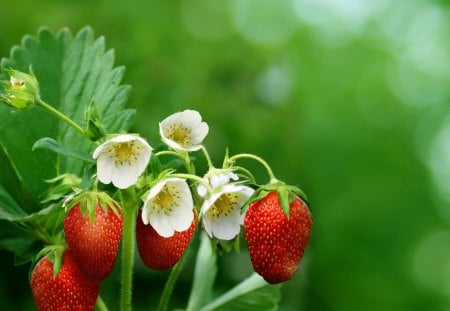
point(60, 116)
point(100, 304)
point(170, 284)
point(129, 207)
point(260, 160)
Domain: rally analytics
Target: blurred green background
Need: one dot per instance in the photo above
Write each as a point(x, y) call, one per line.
point(350, 99)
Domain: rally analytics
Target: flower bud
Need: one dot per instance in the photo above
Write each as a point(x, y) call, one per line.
point(21, 91)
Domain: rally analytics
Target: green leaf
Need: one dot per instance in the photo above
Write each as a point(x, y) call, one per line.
point(23, 244)
point(50, 219)
point(52, 145)
point(72, 72)
point(204, 274)
point(9, 210)
point(252, 294)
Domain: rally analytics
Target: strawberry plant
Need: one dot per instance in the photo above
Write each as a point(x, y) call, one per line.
point(76, 187)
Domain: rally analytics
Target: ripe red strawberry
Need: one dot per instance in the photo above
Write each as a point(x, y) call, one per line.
point(94, 242)
point(69, 291)
point(276, 243)
point(158, 252)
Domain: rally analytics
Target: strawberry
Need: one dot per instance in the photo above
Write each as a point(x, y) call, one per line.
point(158, 252)
point(276, 243)
point(69, 291)
point(93, 236)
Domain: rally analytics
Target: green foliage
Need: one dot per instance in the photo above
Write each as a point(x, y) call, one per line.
point(73, 72)
point(9, 210)
point(52, 145)
point(204, 275)
point(252, 294)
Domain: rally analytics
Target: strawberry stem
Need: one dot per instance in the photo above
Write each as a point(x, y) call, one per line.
point(232, 159)
point(207, 157)
point(195, 178)
point(170, 284)
point(60, 116)
point(100, 304)
point(129, 207)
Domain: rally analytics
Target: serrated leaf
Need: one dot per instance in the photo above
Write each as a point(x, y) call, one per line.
point(252, 294)
point(72, 72)
point(52, 145)
point(204, 274)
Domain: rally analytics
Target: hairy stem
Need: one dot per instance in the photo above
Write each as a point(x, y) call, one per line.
point(256, 158)
point(170, 284)
point(100, 304)
point(129, 207)
point(60, 116)
point(207, 157)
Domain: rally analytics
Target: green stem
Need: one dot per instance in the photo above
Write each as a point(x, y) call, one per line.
point(61, 116)
point(101, 306)
point(207, 157)
point(169, 152)
point(187, 163)
point(173, 277)
point(129, 206)
point(254, 157)
point(193, 177)
point(170, 284)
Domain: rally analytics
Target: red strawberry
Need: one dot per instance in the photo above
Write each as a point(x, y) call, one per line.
point(276, 243)
point(69, 291)
point(94, 242)
point(158, 252)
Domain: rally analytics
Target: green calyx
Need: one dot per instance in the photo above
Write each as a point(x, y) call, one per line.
point(21, 91)
point(60, 186)
point(95, 130)
point(55, 254)
point(88, 201)
point(286, 194)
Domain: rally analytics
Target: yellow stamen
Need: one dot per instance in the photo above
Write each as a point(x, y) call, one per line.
point(223, 205)
point(126, 152)
point(179, 134)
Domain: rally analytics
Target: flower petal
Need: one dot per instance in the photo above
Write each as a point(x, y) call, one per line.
point(188, 121)
point(123, 138)
point(105, 168)
point(208, 226)
point(162, 225)
point(181, 219)
point(226, 228)
point(125, 175)
point(100, 149)
point(199, 133)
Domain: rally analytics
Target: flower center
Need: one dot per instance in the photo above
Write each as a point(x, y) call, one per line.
point(223, 205)
point(125, 152)
point(165, 201)
point(16, 83)
point(179, 134)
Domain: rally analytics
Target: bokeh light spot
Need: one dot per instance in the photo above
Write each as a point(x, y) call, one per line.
point(268, 22)
point(208, 20)
point(431, 263)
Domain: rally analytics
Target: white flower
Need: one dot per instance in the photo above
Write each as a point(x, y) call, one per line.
point(222, 211)
point(216, 178)
point(169, 207)
point(122, 160)
point(184, 130)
